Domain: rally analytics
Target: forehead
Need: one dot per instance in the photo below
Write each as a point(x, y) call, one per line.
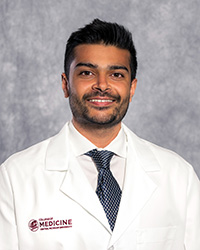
point(101, 55)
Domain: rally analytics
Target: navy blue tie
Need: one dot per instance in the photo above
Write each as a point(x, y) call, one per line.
point(108, 190)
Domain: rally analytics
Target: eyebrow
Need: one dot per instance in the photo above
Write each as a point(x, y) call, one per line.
point(94, 66)
point(89, 65)
point(119, 67)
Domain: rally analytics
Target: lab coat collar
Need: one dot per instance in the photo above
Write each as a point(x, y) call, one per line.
point(143, 151)
point(57, 155)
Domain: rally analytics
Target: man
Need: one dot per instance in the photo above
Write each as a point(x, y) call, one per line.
point(96, 185)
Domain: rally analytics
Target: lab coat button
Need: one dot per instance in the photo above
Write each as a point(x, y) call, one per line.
point(111, 248)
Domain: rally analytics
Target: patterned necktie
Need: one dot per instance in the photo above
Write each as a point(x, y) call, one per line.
point(108, 190)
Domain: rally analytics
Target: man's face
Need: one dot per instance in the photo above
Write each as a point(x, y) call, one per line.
point(99, 85)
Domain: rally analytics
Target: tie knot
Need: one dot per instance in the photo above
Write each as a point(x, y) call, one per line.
point(101, 158)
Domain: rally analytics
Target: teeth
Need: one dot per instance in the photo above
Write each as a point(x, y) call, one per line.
point(98, 100)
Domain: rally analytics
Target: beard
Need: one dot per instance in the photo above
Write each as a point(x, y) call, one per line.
point(81, 112)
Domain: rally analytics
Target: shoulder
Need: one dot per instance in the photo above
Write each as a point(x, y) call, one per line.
point(168, 160)
point(35, 156)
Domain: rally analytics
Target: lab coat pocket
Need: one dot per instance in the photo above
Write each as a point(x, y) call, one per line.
point(155, 238)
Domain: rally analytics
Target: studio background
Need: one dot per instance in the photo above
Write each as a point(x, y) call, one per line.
point(166, 106)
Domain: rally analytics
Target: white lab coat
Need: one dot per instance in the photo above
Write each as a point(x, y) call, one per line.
point(47, 203)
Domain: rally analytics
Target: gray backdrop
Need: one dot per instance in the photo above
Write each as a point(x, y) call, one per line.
point(166, 107)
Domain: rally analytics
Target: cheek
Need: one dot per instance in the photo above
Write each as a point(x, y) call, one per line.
point(124, 91)
point(76, 89)
point(79, 87)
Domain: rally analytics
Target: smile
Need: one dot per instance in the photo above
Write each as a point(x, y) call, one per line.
point(100, 100)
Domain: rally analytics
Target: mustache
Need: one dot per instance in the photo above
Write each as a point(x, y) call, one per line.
point(101, 94)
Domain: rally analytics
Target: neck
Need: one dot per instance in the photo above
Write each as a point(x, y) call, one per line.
point(100, 136)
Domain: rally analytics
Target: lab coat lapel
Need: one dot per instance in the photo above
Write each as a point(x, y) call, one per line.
point(138, 186)
point(75, 184)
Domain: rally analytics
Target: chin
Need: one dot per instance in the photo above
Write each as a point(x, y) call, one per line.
point(103, 121)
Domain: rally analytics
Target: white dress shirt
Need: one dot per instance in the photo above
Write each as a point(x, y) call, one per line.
point(80, 145)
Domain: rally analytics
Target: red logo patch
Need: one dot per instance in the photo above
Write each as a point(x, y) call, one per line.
point(49, 224)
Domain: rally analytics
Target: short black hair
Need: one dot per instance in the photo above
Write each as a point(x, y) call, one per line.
point(101, 32)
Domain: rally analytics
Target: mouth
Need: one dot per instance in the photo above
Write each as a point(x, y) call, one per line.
point(101, 101)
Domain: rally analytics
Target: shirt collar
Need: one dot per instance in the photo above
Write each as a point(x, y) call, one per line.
point(80, 145)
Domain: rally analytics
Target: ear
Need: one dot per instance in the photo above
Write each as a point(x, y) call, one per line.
point(65, 85)
point(133, 88)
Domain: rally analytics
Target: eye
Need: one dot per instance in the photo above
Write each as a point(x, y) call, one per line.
point(118, 75)
point(86, 73)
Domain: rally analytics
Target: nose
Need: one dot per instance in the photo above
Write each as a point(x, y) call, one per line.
point(102, 83)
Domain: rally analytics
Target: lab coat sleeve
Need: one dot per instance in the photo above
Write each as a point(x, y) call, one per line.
point(8, 229)
point(192, 231)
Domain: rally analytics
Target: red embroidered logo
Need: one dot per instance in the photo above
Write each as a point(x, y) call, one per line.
point(33, 225)
point(49, 224)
